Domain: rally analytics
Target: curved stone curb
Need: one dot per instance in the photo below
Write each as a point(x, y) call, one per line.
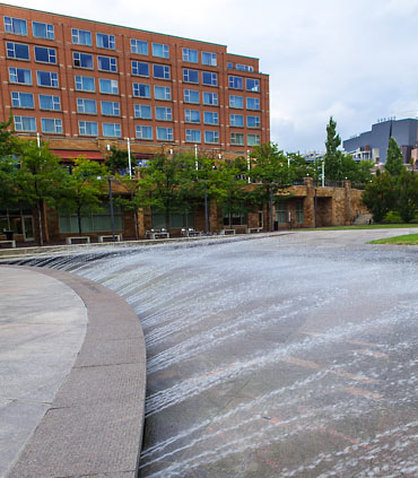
point(94, 426)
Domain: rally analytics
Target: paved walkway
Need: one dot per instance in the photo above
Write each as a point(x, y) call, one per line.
point(72, 377)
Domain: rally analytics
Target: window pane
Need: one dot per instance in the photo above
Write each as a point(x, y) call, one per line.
point(160, 50)
point(15, 25)
point(140, 68)
point(46, 55)
point(142, 111)
point(235, 82)
point(162, 92)
point(43, 30)
point(209, 58)
point(107, 63)
point(190, 55)
point(81, 37)
point(22, 100)
point(210, 98)
point(190, 76)
point(18, 51)
point(49, 102)
point(86, 106)
point(161, 71)
point(110, 87)
point(143, 132)
point(164, 134)
point(51, 125)
point(105, 41)
point(141, 90)
point(25, 123)
point(139, 46)
point(84, 83)
point(82, 60)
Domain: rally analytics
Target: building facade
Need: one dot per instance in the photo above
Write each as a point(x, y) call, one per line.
point(83, 85)
point(373, 144)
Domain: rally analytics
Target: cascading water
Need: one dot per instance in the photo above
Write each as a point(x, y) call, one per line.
point(284, 356)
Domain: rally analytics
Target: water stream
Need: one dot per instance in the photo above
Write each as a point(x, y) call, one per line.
point(284, 356)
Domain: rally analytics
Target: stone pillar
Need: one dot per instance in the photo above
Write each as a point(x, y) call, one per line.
point(348, 213)
point(309, 204)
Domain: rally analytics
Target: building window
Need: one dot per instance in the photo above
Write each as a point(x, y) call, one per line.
point(243, 67)
point(142, 111)
point(192, 116)
point(15, 25)
point(253, 103)
point(299, 212)
point(237, 139)
point(209, 78)
point(82, 60)
point(86, 106)
point(164, 134)
point(141, 90)
point(193, 136)
point(162, 93)
point(20, 75)
point(25, 123)
point(105, 41)
point(109, 87)
point(18, 51)
point(81, 37)
point(22, 100)
point(84, 83)
point(143, 132)
point(236, 120)
point(230, 66)
point(49, 102)
point(210, 117)
point(45, 55)
point(107, 63)
point(210, 98)
point(163, 113)
point(252, 85)
point(111, 130)
point(191, 96)
point(43, 30)
point(87, 128)
point(209, 58)
point(140, 47)
point(51, 125)
point(253, 140)
point(110, 108)
point(161, 71)
point(139, 68)
point(190, 76)
point(211, 137)
point(236, 101)
point(253, 121)
point(235, 82)
point(190, 55)
point(160, 50)
point(47, 78)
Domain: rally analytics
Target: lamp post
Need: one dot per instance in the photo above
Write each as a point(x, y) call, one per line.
point(206, 208)
point(128, 141)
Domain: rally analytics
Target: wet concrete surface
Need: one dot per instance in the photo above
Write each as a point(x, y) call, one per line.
point(291, 355)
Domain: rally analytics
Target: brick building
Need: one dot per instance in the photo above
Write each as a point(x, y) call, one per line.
point(75, 79)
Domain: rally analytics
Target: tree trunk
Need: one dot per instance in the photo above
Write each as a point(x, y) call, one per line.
point(79, 220)
point(40, 232)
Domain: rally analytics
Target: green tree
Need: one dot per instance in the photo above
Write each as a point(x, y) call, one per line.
point(117, 162)
point(83, 188)
point(271, 173)
point(407, 194)
point(394, 159)
point(164, 183)
point(379, 195)
point(333, 157)
point(39, 180)
point(133, 200)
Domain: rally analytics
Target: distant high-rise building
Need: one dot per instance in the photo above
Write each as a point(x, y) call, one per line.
point(372, 145)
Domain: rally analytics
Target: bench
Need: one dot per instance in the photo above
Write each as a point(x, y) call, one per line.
point(11, 242)
point(118, 237)
point(250, 230)
point(69, 240)
point(190, 232)
point(156, 234)
point(225, 232)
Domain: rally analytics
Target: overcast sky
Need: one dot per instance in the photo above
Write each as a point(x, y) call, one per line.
point(353, 59)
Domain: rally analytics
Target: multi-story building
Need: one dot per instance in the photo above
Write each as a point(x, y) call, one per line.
point(372, 145)
point(84, 85)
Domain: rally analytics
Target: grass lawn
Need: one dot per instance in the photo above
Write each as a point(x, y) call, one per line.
point(408, 239)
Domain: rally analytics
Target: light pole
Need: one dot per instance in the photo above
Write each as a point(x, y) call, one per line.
point(128, 141)
point(206, 208)
point(323, 173)
point(248, 165)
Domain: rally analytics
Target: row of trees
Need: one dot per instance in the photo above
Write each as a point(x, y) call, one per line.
point(31, 175)
point(394, 189)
